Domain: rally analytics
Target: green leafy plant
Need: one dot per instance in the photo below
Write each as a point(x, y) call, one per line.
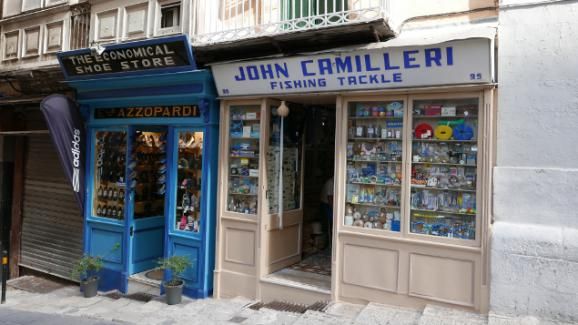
point(88, 266)
point(176, 265)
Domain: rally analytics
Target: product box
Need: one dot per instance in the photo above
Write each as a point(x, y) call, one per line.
point(254, 172)
point(251, 116)
point(246, 131)
point(448, 111)
point(432, 110)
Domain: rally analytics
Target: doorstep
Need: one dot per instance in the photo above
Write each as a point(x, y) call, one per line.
point(141, 283)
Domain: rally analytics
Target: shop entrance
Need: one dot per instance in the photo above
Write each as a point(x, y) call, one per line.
point(147, 183)
point(307, 195)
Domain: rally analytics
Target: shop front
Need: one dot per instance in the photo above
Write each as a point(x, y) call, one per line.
point(392, 205)
point(151, 146)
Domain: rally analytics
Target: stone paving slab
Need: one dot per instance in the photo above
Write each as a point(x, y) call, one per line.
point(318, 318)
point(345, 310)
point(387, 315)
point(436, 315)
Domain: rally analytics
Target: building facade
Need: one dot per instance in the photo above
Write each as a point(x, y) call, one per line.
point(414, 260)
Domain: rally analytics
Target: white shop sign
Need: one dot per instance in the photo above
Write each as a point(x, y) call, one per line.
point(455, 62)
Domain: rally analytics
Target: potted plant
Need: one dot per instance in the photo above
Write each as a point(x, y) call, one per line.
point(176, 265)
point(86, 270)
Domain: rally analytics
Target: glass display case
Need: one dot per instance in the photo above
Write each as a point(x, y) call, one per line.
point(244, 141)
point(374, 165)
point(444, 155)
point(109, 176)
point(189, 180)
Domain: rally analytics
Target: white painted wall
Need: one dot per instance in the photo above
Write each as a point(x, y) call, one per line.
point(534, 259)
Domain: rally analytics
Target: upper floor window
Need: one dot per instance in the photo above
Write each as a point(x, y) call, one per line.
point(170, 17)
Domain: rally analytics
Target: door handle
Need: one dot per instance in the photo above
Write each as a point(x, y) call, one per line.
point(131, 231)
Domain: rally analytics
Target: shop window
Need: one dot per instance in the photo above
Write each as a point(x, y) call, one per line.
point(109, 177)
point(244, 140)
point(374, 165)
point(290, 180)
point(444, 168)
point(189, 180)
point(170, 18)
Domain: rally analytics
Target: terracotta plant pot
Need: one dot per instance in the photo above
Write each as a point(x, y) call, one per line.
point(90, 287)
point(174, 293)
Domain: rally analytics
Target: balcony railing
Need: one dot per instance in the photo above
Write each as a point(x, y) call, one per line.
point(231, 20)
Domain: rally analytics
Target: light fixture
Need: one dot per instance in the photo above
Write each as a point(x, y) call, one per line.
point(96, 48)
point(283, 110)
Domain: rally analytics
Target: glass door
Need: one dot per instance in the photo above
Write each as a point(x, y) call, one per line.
point(283, 211)
point(147, 186)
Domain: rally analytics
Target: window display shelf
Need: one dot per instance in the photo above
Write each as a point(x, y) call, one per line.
point(442, 164)
point(243, 176)
point(247, 157)
point(442, 212)
point(441, 141)
point(246, 119)
point(420, 187)
point(444, 117)
point(376, 184)
point(393, 207)
point(245, 194)
point(375, 117)
point(376, 161)
point(375, 139)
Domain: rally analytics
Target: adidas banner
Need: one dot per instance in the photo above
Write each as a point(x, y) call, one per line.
point(67, 131)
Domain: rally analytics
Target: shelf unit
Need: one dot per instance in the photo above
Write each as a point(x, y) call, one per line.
point(443, 196)
point(243, 152)
point(110, 156)
point(188, 208)
point(375, 132)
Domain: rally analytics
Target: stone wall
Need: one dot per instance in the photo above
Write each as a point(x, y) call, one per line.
point(534, 258)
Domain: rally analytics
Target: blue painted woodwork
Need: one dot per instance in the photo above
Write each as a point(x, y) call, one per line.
point(153, 237)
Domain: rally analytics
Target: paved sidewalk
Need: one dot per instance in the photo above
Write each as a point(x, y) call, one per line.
point(65, 305)
point(10, 316)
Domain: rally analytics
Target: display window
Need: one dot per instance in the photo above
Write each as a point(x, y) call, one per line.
point(189, 181)
point(243, 151)
point(444, 157)
point(109, 177)
point(435, 143)
point(375, 132)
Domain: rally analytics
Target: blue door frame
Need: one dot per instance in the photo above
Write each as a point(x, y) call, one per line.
point(101, 235)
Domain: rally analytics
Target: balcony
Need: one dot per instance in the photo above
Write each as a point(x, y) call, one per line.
point(277, 26)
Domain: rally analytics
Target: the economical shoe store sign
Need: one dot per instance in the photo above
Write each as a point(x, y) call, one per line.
point(453, 62)
point(169, 54)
